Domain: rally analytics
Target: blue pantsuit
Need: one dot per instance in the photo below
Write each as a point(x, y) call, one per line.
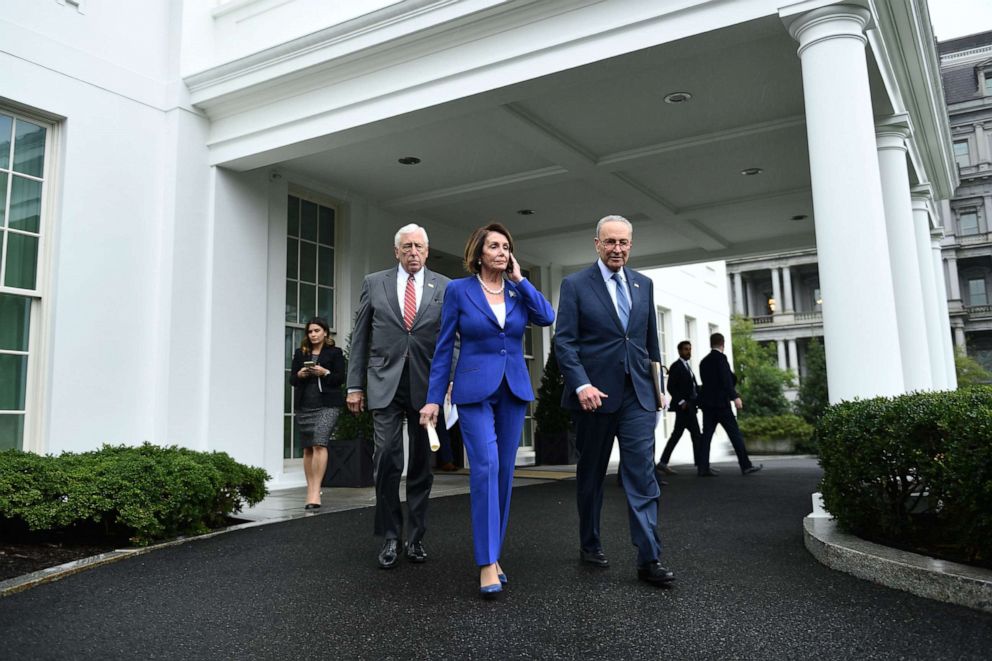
point(491, 388)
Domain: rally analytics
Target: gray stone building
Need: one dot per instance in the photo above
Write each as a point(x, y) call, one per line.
point(780, 292)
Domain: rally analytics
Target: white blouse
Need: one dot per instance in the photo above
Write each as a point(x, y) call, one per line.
point(499, 309)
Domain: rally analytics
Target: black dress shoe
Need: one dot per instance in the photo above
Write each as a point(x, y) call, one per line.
point(389, 554)
point(312, 506)
point(663, 468)
point(707, 473)
point(415, 552)
point(597, 558)
point(752, 469)
point(655, 574)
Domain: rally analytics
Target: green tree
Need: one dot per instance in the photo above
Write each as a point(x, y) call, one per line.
point(813, 397)
point(970, 372)
point(760, 382)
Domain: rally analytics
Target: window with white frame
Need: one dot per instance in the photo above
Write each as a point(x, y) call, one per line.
point(962, 153)
point(23, 143)
point(310, 256)
point(663, 315)
point(988, 83)
point(967, 222)
point(690, 329)
point(977, 292)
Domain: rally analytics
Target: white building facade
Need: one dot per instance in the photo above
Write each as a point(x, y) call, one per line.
point(185, 182)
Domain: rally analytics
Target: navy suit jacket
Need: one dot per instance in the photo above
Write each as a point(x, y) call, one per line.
point(719, 382)
point(680, 385)
point(487, 352)
point(592, 346)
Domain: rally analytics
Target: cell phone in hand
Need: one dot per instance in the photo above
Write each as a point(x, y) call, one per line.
point(309, 364)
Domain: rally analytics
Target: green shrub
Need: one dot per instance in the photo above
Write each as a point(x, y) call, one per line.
point(776, 427)
point(147, 492)
point(550, 417)
point(760, 382)
point(813, 397)
point(914, 470)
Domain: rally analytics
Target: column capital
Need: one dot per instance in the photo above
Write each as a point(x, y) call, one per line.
point(892, 132)
point(922, 196)
point(834, 22)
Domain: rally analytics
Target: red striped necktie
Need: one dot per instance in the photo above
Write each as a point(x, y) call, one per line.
point(409, 303)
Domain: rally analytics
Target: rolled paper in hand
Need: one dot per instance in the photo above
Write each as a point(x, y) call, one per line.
point(432, 437)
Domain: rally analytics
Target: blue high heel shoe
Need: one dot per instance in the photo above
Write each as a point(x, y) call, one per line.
point(490, 591)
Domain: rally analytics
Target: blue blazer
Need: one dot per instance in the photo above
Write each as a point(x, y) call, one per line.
point(487, 352)
point(719, 381)
point(592, 346)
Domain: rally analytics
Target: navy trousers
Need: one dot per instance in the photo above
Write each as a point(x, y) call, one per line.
point(491, 434)
point(633, 426)
point(683, 420)
point(722, 416)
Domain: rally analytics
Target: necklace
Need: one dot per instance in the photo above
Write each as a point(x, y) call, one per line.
point(502, 286)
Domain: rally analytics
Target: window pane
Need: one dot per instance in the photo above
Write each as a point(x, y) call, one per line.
point(308, 261)
point(6, 124)
point(293, 216)
point(292, 311)
point(13, 377)
point(292, 259)
point(988, 83)
point(3, 198)
point(968, 223)
point(29, 148)
point(308, 220)
point(297, 447)
point(327, 226)
point(22, 261)
point(308, 301)
point(325, 270)
point(287, 437)
point(25, 204)
point(11, 431)
point(961, 153)
point(15, 321)
point(325, 304)
point(977, 293)
point(287, 396)
point(290, 348)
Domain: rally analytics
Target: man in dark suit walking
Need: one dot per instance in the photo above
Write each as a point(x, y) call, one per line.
point(684, 389)
point(605, 340)
point(392, 344)
point(719, 390)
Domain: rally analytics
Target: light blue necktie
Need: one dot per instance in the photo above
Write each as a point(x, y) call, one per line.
point(623, 305)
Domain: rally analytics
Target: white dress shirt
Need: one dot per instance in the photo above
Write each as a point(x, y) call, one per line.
point(418, 286)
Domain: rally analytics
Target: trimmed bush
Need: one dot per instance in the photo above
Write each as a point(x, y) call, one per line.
point(147, 492)
point(913, 471)
point(776, 427)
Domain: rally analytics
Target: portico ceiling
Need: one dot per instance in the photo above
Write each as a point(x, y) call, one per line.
point(600, 138)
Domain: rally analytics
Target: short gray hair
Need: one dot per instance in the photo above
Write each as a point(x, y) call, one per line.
point(613, 218)
point(408, 229)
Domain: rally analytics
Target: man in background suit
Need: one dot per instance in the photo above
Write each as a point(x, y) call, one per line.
point(684, 389)
point(719, 390)
point(605, 340)
point(392, 344)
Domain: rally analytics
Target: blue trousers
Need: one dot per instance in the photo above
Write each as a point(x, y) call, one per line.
point(633, 427)
point(491, 433)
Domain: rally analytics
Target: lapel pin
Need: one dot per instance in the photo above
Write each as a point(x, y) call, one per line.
point(637, 285)
point(430, 284)
point(512, 295)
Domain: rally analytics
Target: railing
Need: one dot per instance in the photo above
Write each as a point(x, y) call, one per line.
point(787, 318)
point(809, 316)
point(759, 321)
point(978, 310)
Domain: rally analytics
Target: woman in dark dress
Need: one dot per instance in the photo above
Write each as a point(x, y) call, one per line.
point(317, 374)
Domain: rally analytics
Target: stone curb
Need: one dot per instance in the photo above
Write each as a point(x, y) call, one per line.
point(945, 581)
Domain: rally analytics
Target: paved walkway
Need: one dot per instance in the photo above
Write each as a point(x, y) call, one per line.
point(310, 588)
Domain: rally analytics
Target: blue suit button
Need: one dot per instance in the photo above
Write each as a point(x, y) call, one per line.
point(502, 352)
point(502, 334)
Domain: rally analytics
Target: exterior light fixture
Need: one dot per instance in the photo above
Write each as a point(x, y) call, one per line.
point(678, 97)
point(408, 160)
point(526, 212)
point(750, 172)
point(771, 305)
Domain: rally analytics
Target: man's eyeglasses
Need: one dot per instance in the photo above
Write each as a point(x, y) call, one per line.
point(612, 243)
point(410, 247)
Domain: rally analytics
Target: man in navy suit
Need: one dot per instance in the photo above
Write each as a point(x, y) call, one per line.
point(684, 390)
point(606, 339)
point(719, 390)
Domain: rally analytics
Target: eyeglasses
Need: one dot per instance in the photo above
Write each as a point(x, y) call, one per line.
point(612, 243)
point(410, 247)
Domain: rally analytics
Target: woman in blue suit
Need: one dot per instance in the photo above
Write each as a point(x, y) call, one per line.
point(488, 311)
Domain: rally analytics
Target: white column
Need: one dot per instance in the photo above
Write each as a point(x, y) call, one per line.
point(959, 339)
point(931, 310)
point(903, 257)
point(945, 318)
point(786, 289)
point(859, 312)
point(776, 291)
point(782, 364)
point(954, 290)
point(794, 359)
point(738, 294)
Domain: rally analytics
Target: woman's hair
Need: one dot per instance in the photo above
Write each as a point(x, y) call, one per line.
point(473, 249)
point(328, 340)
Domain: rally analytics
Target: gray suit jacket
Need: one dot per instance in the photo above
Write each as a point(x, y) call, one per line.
point(380, 344)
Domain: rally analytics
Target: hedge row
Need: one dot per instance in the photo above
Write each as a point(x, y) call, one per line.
point(915, 470)
point(147, 492)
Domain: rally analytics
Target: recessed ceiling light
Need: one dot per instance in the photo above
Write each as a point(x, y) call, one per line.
point(409, 160)
point(800, 216)
point(526, 212)
point(678, 97)
point(750, 172)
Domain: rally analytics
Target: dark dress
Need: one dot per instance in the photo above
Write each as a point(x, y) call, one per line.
point(318, 400)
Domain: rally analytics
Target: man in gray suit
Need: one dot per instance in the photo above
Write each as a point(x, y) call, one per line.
point(392, 344)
